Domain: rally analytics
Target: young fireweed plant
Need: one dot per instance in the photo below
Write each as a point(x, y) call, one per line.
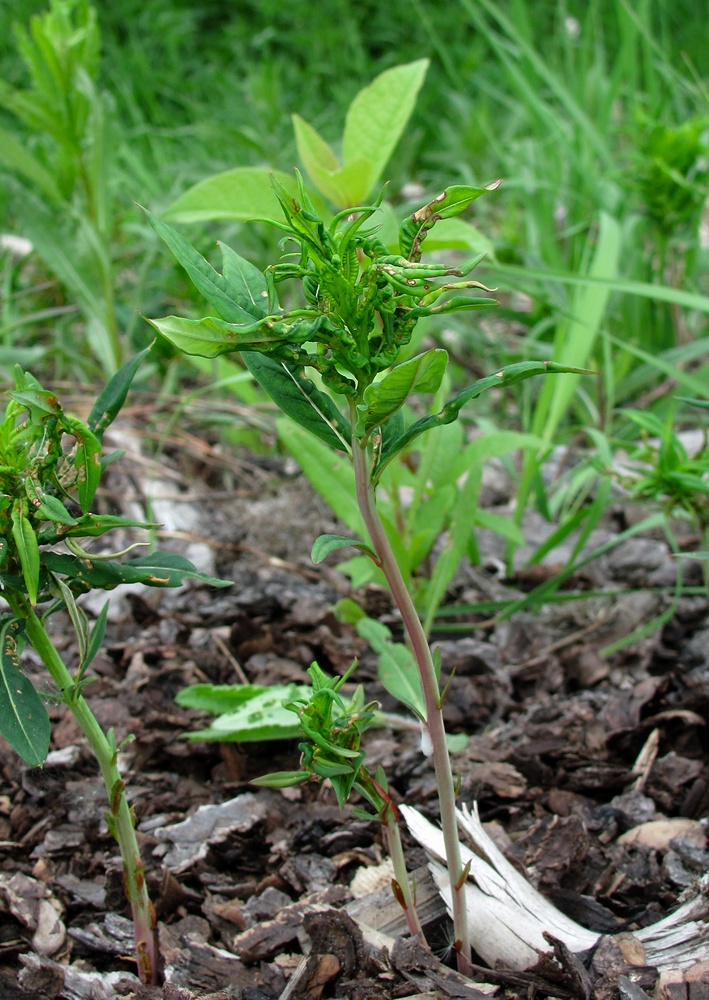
point(333, 728)
point(361, 303)
point(50, 468)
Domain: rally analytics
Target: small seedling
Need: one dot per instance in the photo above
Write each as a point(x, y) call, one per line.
point(50, 468)
point(662, 471)
point(361, 301)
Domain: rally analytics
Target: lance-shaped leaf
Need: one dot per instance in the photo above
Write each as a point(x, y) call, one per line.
point(325, 544)
point(23, 718)
point(54, 510)
point(451, 202)
point(506, 376)
point(376, 120)
point(160, 569)
point(300, 399)
point(27, 550)
point(88, 526)
point(40, 402)
point(210, 337)
point(112, 397)
point(381, 399)
point(213, 285)
point(87, 462)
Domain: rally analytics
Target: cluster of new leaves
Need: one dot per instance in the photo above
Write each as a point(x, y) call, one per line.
point(333, 728)
point(361, 301)
point(50, 468)
point(663, 471)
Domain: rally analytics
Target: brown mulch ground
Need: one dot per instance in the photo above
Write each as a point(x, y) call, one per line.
point(568, 752)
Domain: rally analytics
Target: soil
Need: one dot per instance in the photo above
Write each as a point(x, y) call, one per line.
point(571, 751)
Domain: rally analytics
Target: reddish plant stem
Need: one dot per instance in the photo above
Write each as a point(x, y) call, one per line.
point(431, 693)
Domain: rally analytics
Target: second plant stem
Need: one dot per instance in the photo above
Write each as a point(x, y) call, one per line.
point(121, 819)
point(366, 499)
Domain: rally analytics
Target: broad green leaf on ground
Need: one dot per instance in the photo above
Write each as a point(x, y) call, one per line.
point(207, 280)
point(23, 718)
point(376, 120)
point(420, 374)
point(217, 699)
point(300, 399)
point(244, 194)
point(260, 717)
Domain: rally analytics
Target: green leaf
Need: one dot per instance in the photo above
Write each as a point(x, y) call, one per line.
point(27, 551)
point(15, 156)
point(703, 404)
point(87, 462)
point(262, 717)
point(23, 718)
point(245, 283)
point(281, 779)
point(210, 337)
point(54, 510)
point(451, 202)
point(506, 376)
point(89, 526)
point(300, 399)
point(244, 194)
point(38, 401)
point(318, 158)
point(457, 742)
point(347, 610)
point(325, 544)
point(501, 525)
point(457, 234)
point(314, 151)
point(161, 569)
point(381, 399)
point(112, 397)
point(397, 669)
point(96, 638)
point(342, 185)
point(219, 699)
point(210, 283)
point(376, 120)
